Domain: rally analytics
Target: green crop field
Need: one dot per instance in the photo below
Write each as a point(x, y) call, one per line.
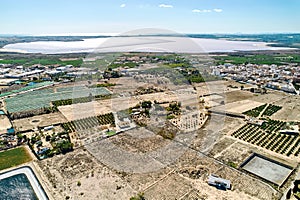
point(14, 157)
point(258, 59)
point(42, 61)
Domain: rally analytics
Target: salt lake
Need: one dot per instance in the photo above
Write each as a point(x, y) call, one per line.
point(140, 44)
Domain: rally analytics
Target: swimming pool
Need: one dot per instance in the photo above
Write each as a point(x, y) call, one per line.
point(21, 183)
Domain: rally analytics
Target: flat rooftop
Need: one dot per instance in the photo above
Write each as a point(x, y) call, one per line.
point(267, 169)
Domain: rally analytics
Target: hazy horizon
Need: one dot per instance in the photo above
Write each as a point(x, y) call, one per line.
point(121, 34)
point(53, 17)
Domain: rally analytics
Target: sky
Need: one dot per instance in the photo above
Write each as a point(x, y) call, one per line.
point(50, 17)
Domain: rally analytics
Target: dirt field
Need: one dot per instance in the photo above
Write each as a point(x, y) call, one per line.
point(32, 123)
point(4, 124)
point(290, 109)
point(237, 95)
point(79, 176)
point(239, 106)
point(272, 96)
point(83, 110)
point(177, 178)
point(136, 161)
point(211, 87)
point(243, 185)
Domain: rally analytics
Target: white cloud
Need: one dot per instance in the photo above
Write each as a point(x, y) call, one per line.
point(165, 6)
point(123, 5)
point(201, 11)
point(218, 10)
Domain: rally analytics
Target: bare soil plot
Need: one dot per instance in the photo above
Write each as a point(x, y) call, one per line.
point(4, 124)
point(177, 175)
point(210, 87)
point(235, 153)
point(290, 108)
point(164, 189)
point(84, 110)
point(239, 106)
point(79, 176)
point(206, 137)
point(32, 123)
point(237, 95)
point(221, 145)
point(243, 186)
point(272, 96)
point(141, 140)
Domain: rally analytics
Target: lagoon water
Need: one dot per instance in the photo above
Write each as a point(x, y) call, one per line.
point(17, 187)
point(139, 44)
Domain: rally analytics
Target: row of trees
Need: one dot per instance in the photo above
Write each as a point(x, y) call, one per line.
point(255, 111)
point(267, 136)
point(89, 122)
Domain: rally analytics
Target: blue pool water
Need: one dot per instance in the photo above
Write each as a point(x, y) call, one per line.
point(16, 187)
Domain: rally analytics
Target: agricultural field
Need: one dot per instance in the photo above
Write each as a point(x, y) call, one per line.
point(256, 111)
point(43, 61)
point(64, 102)
point(42, 98)
point(268, 137)
point(258, 59)
point(89, 122)
point(263, 110)
point(14, 157)
point(37, 85)
point(271, 109)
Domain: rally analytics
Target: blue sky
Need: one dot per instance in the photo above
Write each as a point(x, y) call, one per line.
point(116, 16)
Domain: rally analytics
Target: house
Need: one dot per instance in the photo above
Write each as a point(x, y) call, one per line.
point(43, 150)
point(48, 128)
point(255, 121)
point(124, 124)
point(291, 130)
point(218, 182)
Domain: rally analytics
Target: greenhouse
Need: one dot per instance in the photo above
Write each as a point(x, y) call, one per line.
point(42, 98)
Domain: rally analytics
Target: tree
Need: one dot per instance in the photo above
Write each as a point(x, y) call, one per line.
point(139, 196)
point(20, 136)
point(64, 146)
point(146, 104)
point(288, 194)
point(78, 183)
point(48, 138)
